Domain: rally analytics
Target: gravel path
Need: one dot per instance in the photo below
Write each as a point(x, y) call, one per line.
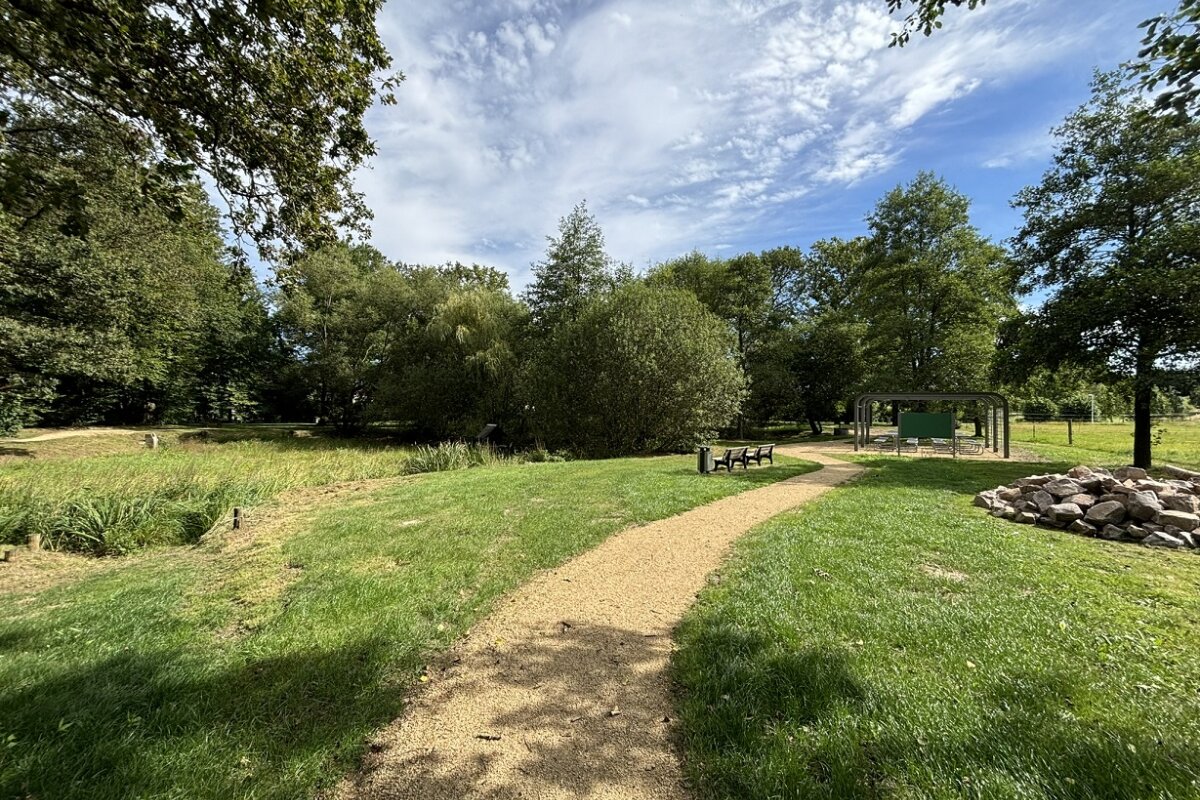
point(563, 691)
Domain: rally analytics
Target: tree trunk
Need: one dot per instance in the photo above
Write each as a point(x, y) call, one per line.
point(1143, 392)
point(815, 426)
point(895, 412)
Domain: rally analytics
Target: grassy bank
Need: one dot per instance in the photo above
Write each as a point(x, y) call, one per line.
point(1108, 442)
point(892, 641)
point(119, 496)
point(256, 670)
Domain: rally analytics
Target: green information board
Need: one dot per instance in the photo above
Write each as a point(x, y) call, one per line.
point(926, 426)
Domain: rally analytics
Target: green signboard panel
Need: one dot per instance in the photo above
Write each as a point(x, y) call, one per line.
point(926, 426)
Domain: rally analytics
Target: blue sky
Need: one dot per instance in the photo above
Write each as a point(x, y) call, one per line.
point(721, 125)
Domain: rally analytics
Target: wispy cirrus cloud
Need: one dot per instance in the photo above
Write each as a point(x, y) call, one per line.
point(683, 124)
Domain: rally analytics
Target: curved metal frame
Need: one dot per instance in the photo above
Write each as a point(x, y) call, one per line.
point(864, 410)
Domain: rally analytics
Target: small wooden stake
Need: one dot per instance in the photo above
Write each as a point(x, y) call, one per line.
point(237, 518)
point(9, 554)
point(35, 542)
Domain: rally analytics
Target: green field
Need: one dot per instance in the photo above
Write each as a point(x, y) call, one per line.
point(890, 640)
point(1109, 442)
point(255, 664)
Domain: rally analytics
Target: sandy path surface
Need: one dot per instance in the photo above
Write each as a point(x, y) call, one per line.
point(563, 691)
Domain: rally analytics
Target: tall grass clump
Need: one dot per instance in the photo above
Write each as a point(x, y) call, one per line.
point(452, 455)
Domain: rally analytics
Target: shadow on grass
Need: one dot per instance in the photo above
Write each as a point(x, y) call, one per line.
point(133, 726)
point(760, 720)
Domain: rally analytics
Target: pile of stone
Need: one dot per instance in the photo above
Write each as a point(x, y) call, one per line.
point(1125, 504)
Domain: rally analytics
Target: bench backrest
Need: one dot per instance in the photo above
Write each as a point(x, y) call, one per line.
point(734, 452)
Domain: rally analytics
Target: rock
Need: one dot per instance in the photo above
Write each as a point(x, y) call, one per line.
point(985, 499)
point(1191, 539)
point(1136, 532)
point(1105, 513)
point(1090, 484)
point(1187, 503)
point(1063, 487)
point(1008, 493)
point(1084, 501)
point(1158, 487)
point(1079, 472)
point(1143, 505)
point(1035, 480)
point(1180, 519)
point(1112, 532)
point(1026, 518)
point(1130, 473)
point(1152, 527)
point(1110, 498)
point(1043, 500)
point(1162, 540)
point(1004, 512)
point(1079, 526)
point(1122, 488)
point(1180, 472)
point(1064, 513)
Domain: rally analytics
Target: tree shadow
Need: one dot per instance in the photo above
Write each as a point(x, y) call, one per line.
point(15, 452)
point(173, 724)
point(946, 474)
point(761, 720)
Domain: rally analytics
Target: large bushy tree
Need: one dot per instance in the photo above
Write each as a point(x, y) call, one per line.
point(1113, 233)
point(640, 370)
point(110, 308)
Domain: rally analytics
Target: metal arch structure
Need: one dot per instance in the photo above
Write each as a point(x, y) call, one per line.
point(864, 410)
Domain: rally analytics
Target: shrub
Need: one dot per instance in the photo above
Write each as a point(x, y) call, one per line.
point(639, 370)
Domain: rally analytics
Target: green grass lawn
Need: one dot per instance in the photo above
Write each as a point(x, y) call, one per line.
point(1108, 442)
point(258, 671)
point(890, 640)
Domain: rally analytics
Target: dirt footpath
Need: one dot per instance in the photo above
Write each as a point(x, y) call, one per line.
point(563, 691)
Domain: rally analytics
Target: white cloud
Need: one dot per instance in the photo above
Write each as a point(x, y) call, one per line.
point(684, 124)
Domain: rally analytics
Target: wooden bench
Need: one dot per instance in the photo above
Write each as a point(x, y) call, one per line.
point(731, 456)
point(766, 451)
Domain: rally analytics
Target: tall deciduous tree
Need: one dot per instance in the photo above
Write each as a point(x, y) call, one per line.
point(1113, 231)
point(933, 289)
point(266, 98)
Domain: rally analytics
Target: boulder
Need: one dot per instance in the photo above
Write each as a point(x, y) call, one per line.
point(1180, 519)
point(985, 499)
point(1085, 528)
point(1158, 487)
point(1187, 503)
point(1064, 513)
point(1063, 487)
point(1129, 473)
point(1026, 518)
point(1152, 527)
point(1079, 472)
point(1191, 539)
point(1004, 512)
point(1112, 532)
point(1136, 532)
point(1163, 540)
point(1106, 513)
point(1008, 493)
point(1043, 500)
point(1143, 505)
point(1034, 480)
point(1084, 501)
point(1109, 498)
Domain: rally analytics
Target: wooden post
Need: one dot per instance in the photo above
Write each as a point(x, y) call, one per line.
point(152, 441)
point(1070, 433)
point(9, 554)
point(35, 542)
point(237, 518)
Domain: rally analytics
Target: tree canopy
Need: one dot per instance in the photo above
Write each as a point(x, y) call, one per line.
point(266, 98)
point(1113, 230)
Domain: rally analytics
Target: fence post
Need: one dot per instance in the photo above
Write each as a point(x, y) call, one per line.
point(1070, 433)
